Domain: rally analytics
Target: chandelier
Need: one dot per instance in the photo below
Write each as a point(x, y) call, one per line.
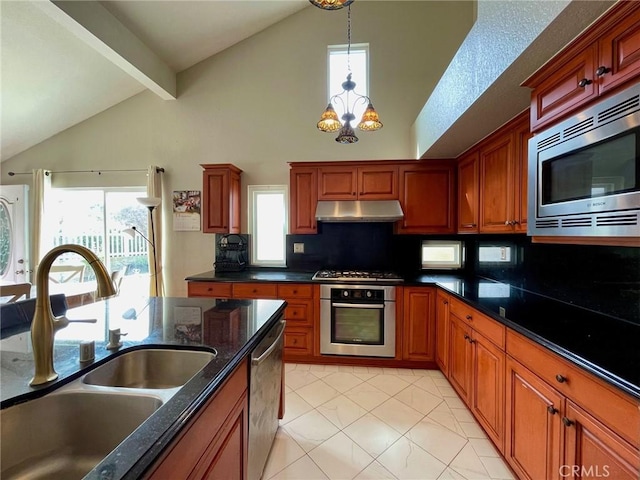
point(329, 121)
point(331, 4)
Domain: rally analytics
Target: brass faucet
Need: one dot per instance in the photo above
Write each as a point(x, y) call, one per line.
point(45, 325)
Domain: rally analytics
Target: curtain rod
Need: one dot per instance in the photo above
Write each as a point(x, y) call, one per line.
point(99, 172)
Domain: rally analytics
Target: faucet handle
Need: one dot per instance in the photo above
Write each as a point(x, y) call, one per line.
point(114, 338)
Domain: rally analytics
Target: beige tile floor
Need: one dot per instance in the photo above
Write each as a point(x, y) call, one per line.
point(377, 423)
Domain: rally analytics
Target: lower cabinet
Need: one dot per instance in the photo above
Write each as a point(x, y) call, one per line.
point(214, 443)
point(419, 339)
point(562, 423)
point(442, 331)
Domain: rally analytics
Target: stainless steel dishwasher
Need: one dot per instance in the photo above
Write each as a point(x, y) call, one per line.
point(264, 398)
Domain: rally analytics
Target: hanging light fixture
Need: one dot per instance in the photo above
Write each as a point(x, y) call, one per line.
point(331, 4)
point(329, 121)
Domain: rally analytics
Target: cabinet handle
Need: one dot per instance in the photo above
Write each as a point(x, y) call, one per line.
point(466, 337)
point(468, 225)
point(584, 82)
point(469, 317)
point(561, 378)
point(552, 410)
point(445, 302)
point(567, 422)
point(353, 193)
point(602, 70)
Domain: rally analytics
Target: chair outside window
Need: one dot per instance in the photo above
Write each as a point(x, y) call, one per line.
point(15, 291)
point(66, 273)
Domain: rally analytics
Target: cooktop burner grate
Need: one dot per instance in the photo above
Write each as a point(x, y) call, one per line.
point(357, 275)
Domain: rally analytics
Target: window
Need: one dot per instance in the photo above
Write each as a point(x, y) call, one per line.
point(496, 254)
point(338, 70)
point(96, 218)
point(445, 254)
point(268, 224)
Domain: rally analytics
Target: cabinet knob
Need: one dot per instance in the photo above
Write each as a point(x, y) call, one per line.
point(552, 410)
point(584, 82)
point(469, 317)
point(567, 422)
point(295, 340)
point(602, 70)
point(466, 337)
point(561, 378)
point(469, 225)
point(445, 302)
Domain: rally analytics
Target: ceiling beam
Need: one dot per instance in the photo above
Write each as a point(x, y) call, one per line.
point(103, 32)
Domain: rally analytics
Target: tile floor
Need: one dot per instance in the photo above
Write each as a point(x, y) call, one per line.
point(377, 423)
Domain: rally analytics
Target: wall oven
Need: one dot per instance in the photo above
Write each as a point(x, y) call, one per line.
point(584, 173)
point(358, 320)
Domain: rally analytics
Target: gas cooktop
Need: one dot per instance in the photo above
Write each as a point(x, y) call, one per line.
point(356, 276)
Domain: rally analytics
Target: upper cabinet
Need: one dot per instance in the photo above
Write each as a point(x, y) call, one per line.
point(492, 182)
point(603, 58)
point(427, 196)
point(370, 182)
point(303, 198)
point(221, 198)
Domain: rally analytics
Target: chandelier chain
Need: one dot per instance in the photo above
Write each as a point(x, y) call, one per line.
point(349, 38)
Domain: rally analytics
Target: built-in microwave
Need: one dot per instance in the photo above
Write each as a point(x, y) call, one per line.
point(584, 173)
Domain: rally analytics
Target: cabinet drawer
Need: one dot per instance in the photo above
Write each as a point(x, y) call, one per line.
point(287, 291)
point(254, 290)
point(209, 289)
point(488, 327)
point(616, 410)
point(299, 313)
point(298, 341)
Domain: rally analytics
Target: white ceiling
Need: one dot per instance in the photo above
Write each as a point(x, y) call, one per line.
point(64, 62)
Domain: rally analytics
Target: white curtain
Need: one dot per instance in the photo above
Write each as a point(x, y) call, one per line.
point(154, 189)
point(40, 240)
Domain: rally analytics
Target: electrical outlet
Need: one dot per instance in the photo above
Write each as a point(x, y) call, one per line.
point(503, 312)
point(298, 248)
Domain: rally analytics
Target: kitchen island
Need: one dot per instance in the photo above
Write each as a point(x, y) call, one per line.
point(229, 328)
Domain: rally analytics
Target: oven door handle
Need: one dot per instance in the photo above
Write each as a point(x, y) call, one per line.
point(358, 305)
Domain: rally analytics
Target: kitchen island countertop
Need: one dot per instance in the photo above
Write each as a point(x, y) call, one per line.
point(182, 323)
point(602, 344)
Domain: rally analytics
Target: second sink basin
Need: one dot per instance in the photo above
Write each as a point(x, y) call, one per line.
point(150, 368)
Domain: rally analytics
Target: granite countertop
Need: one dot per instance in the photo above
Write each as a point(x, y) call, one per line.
point(183, 323)
point(605, 345)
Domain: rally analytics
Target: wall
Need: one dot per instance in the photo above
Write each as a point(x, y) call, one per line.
point(256, 105)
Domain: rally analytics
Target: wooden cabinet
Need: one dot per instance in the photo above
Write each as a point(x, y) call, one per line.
point(209, 289)
point(370, 182)
point(559, 417)
point(427, 196)
point(221, 198)
point(303, 184)
point(468, 192)
point(602, 58)
point(213, 444)
point(460, 368)
point(419, 340)
point(442, 331)
point(503, 179)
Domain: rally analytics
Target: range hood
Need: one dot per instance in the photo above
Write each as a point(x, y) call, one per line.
point(359, 211)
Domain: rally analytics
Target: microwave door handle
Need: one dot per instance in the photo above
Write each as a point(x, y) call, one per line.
point(358, 305)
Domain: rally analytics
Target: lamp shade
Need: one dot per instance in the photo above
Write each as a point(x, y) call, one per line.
point(370, 121)
point(149, 202)
point(346, 135)
point(329, 120)
point(130, 231)
point(330, 4)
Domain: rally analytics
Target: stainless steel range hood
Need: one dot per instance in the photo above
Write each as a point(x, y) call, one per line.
point(359, 211)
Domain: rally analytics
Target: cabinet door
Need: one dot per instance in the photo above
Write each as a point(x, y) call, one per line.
point(461, 357)
point(521, 173)
point(215, 208)
point(378, 182)
point(596, 450)
point(419, 324)
point(468, 195)
point(496, 185)
point(303, 199)
point(488, 388)
point(565, 89)
point(533, 425)
point(442, 332)
point(234, 202)
point(427, 196)
point(337, 183)
point(620, 52)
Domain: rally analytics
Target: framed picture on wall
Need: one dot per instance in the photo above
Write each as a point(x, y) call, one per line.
point(186, 210)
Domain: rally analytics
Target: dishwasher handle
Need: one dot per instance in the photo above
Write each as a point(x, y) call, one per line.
point(272, 347)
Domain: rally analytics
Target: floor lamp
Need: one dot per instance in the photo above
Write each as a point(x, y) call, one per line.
point(151, 203)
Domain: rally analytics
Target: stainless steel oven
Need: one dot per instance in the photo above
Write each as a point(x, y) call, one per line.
point(584, 173)
point(358, 320)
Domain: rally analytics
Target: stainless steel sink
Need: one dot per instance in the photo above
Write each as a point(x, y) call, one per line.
point(64, 435)
point(150, 368)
